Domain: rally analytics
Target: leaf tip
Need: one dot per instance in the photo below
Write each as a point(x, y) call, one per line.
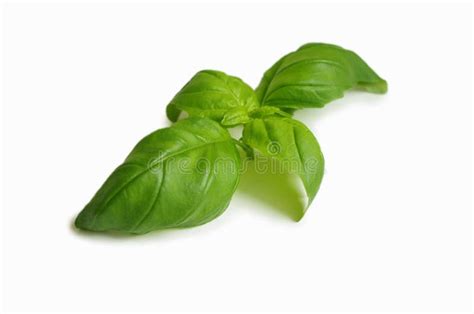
point(172, 112)
point(83, 220)
point(379, 87)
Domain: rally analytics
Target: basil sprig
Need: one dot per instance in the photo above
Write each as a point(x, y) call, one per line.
point(185, 175)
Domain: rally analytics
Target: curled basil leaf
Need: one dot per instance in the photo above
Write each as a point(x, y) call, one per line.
point(181, 176)
point(212, 94)
point(314, 75)
point(292, 144)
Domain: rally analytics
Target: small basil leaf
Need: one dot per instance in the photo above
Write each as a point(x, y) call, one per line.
point(240, 115)
point(181, 176)
point(314, 75)
point(292, 144)
point(235, 117)
point(268, 111)
point(212, 94)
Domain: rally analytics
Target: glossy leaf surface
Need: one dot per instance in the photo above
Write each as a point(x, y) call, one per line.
point(181, 176)
point(314, 75)
point(212, 94)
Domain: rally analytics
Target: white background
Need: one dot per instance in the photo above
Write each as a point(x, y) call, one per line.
point(390, 229)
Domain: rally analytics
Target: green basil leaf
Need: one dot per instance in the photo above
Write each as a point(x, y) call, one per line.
point(292, 144)
point(181, 176)
point(235, 117)
point(268, 111)
point(314, 75)
point(241, 115)
point(212, 94)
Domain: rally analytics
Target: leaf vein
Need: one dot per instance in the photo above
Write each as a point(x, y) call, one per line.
point(150, 209)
